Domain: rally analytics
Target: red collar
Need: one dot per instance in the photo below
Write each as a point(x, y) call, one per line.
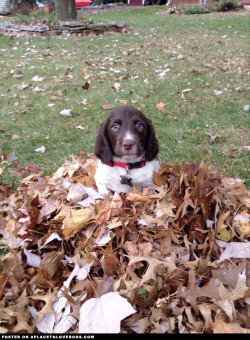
point(129, 166)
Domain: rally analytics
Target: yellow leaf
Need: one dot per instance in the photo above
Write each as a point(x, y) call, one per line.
point(242, 223)
point(75, 221)
point(225, 235)
point(161, 106)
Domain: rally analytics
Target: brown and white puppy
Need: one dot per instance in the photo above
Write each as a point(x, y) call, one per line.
point(127, 148)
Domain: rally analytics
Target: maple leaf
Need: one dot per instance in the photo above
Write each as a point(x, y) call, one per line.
point(104, 314)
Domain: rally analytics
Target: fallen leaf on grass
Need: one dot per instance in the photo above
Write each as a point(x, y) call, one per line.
point(37, 89)
point(104, 314)
point(23, 86)
point(86, 86)
point(212, 136)
point(66, 112)
point(182, 93)
point(41, 149)
point(116, 87)
point(58, 93)
point(161, 106)
point(218, 93)
point(33, 168)
point(108, 106)
point(37, 78)
point(162, 74)
point(79, 127)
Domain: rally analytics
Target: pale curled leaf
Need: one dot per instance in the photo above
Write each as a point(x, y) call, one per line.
point(41, 149)
point(66, 113)
point(32, 259)
point(104, 314)
point(238, 250)
point(52, 237)
point(37, 78)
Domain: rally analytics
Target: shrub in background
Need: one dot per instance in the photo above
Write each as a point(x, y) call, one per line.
point(199, 9)
point(229, 5)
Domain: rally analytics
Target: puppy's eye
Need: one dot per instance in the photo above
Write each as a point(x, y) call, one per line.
point(115, 127)
point(139, 125)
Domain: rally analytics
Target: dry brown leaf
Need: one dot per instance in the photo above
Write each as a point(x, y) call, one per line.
point(51, 205)
point(228, 328)
point(48, 298)
point(137, 196)
point(221, 221)
point(175, 265)
point(139, 249)
point(108, 106)
point(192, 292)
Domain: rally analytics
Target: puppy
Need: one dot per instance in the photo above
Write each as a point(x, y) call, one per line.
point(127, 148)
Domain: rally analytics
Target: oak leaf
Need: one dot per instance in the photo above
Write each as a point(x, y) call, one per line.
point(192, 292)
point(48, 298)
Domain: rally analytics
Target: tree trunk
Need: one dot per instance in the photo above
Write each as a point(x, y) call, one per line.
point(65, 9)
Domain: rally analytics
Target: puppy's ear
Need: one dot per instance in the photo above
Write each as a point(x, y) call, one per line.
point(103, 149)
point(152, 145)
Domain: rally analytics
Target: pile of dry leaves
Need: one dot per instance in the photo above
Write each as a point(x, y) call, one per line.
point(173, 260)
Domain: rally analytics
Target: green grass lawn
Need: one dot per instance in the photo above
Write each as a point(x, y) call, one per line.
point(204, 53)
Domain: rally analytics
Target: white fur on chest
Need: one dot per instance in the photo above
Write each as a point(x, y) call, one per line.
point(108, 177)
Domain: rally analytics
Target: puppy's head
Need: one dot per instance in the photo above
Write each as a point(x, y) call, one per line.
point(127, 134)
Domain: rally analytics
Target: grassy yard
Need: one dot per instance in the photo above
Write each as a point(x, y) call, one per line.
point(150, 66)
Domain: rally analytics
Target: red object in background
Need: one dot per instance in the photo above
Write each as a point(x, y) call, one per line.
point(84, 3)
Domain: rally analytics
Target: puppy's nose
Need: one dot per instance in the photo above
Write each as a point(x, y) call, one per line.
point(128, 144)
